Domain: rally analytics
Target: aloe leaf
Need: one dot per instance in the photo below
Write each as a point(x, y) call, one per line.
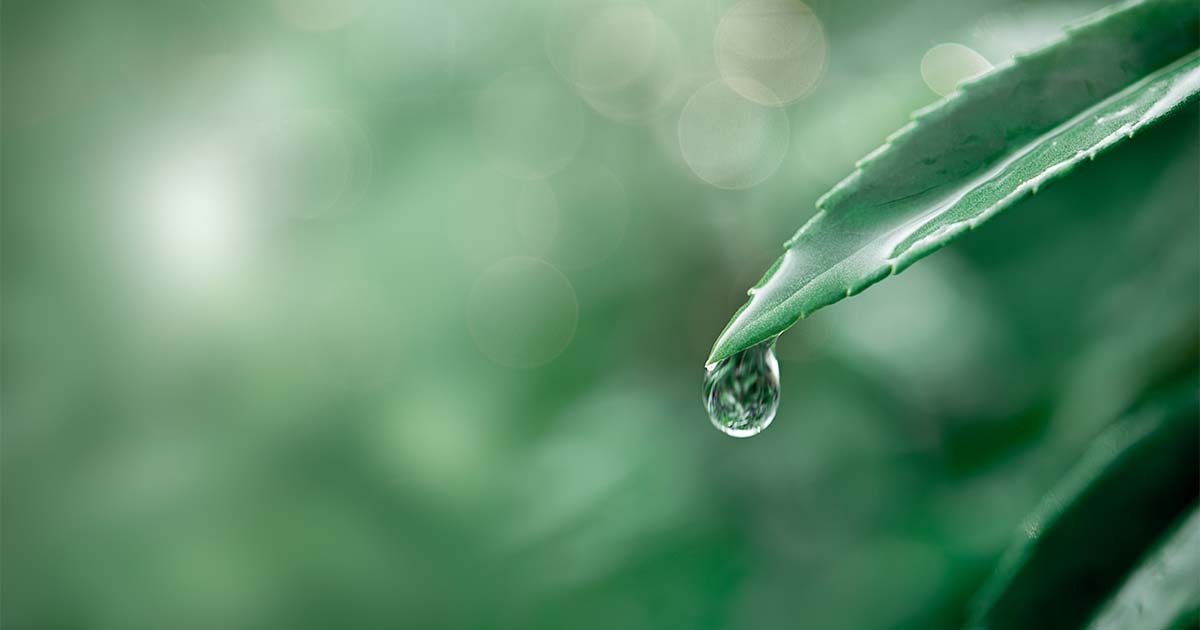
point(1164, 592)
point(959, 162)
point(1083, 539)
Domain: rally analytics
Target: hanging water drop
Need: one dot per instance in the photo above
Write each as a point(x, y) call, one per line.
point(741, 392)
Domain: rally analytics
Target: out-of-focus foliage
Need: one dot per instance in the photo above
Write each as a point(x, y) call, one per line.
point(1162, 592)
point(351, 313)
point(1089, 532)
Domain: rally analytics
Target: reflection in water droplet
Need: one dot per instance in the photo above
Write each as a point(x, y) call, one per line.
point(741, 392)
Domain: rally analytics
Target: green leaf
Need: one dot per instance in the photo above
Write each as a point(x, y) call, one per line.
point(1164, 592)
point(961, 161)
point(1087, 534)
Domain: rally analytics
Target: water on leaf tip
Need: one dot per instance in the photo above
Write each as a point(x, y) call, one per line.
point(741, 392)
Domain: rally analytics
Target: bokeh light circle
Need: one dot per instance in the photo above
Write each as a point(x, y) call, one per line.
point(528, 125)
point(522, 312)
point(646, 96)
point(780, 44)
point(600, 44)
point(731, 142)
point(493, 216)
point(945, 65)
point(198, 235)
point(311, 163)
point(598, 62)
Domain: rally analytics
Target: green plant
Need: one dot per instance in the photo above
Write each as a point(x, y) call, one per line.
point(1115, 544)
point(1089, 532)
point(977, 152)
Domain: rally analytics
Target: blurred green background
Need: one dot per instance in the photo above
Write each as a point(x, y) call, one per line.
point(369, 314)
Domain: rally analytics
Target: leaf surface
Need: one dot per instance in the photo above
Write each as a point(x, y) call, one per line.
point(1088, 533)
point(964, 159)
point(1164, 592)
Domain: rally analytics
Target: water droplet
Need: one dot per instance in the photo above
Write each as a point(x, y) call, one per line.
point(741, 392)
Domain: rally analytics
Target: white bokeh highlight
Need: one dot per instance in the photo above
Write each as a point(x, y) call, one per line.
point(945, 65)
point(779, 45)
point(195, 219)
point(612, 48)
point(731, 142)
point(599, 44)
point(646, 94)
